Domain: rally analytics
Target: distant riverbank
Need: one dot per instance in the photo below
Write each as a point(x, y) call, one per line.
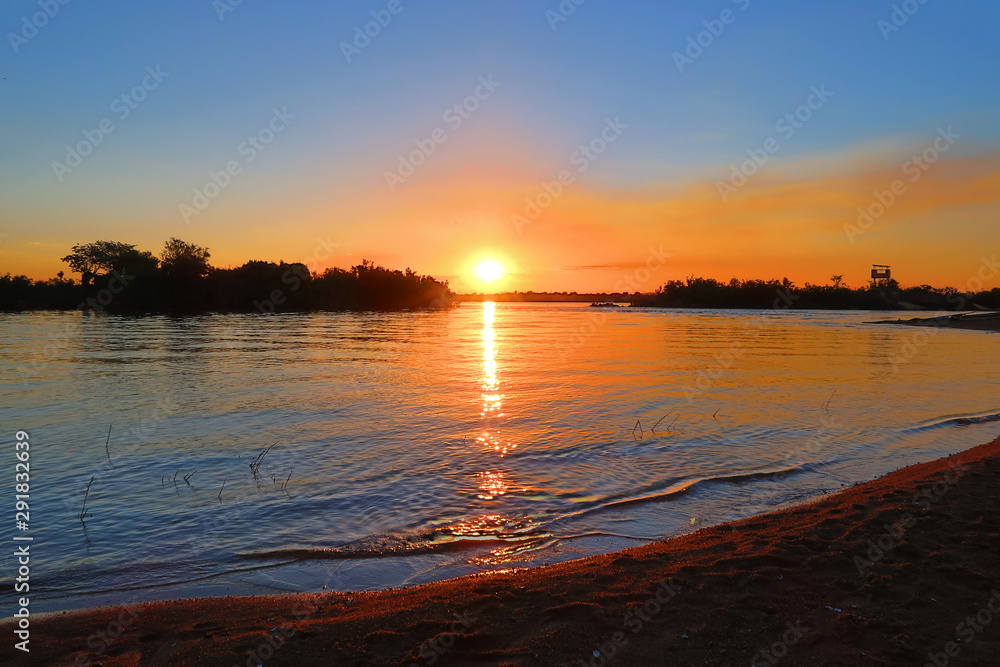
point(770, 294)
point(976, 321)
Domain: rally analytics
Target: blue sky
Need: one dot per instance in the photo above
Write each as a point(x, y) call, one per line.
point(325, 173)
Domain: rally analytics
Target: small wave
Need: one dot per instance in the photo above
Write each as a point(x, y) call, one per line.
point(780, 473)
point(602, 533)
point(494, 532)
point(955, 420)
point(388, 546)
point(685, 486)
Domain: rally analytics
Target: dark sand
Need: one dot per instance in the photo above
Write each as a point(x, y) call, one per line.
point(734, 590)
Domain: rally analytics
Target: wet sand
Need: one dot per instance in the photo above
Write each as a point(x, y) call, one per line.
point(902, 570)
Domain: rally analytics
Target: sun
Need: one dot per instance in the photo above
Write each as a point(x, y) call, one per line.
point(489, 270)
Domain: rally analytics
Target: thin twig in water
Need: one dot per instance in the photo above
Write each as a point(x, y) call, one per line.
point(86, 537)
point(658, 422)
point(175, 477)
point(83, 512)
point(188, 476)
point(222, 489)
point(257, 460)
point(286, 481)
point(827, 404)
point(715, 413)
point(106, 442)
point(638, 425)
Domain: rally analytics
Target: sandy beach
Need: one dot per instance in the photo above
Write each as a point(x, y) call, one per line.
point(901, 570)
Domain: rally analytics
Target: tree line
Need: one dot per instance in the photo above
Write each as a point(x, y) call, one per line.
point(696, 292)
point(117, 276)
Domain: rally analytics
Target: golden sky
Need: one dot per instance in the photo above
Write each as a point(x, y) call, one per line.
point(791, 219)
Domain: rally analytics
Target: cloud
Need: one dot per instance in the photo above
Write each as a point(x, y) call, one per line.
point(591, 267)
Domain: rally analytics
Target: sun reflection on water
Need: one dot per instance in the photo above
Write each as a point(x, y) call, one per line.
point(519, 533)
point(491, 396)
point(491, 484)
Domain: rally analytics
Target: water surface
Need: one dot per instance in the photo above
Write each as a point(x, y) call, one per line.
point(411, 447)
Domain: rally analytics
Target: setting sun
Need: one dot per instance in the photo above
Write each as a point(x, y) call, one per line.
point(489, 270)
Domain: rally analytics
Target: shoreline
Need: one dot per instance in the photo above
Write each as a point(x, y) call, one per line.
point(881, 573)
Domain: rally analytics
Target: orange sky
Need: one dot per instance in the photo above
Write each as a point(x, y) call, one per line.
point(788, 220)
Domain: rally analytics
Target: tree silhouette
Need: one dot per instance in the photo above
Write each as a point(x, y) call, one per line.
point(185, 261)
point(90, 259)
